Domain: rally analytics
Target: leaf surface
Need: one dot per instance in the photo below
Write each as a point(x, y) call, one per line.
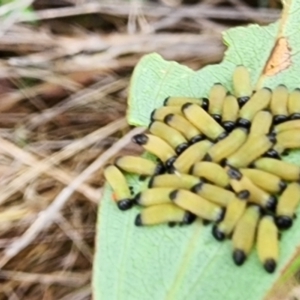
point(186, 262)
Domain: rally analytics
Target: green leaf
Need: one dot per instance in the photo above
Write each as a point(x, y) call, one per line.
point(186, 262)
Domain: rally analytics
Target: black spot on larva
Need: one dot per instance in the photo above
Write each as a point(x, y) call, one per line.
point(222, 136)
point(217, 234)
point(217, 118)
point(125, 204)
point(189, 218)
point(197, 138)
point(138, 220)
point(270, 265)
point(205, 104)
point(243, 100)
point(234, 173)
point(243, 195)
point(172, 224)
point(271, 203)
point(166, 101)
point(243, 123)
point(140, 139)
point(198, 187)
point(170, 161)
point(228, 125)
point(168, 118)
point(173, 195)
point(239, 257)
point(295, 116)
point(272, 153)
point(279, 119)
point(283, 222)
point(185, 106)
point(180, 148)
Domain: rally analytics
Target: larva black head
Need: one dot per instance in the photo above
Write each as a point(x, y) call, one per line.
point(172, 224)
point(282, 186)
point(283, 222)
point(137, 199)
point(140, 139)
point(168, 118)
point(272, 153)
point(217, 117)
point(166, 101)
point(188, 218)
point(239, 257)
point(222, 136)
point(207, 157)
point(228, 125)
point(138, 220)
point(197, 138)
point(198, 187)
point(271, 203)
point(243, 195)
point(173, 195)
point(234, 173)
point(185, 106)
point(243, 100)
point(152, 115)
point(169, 162)
point(205, 104)
point(295, 116)
point(272, 137)
point(218, 234)
point(125, 204)
point(151, 182)
point(270, 265)
point(221, 215)
point(180, 148)
point(243, 123)
point(160, 169)
point(279, 119)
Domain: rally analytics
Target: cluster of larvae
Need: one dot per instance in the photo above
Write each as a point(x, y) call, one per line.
point(219, 159)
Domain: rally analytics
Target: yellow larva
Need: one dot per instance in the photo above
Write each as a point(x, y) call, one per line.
point(261, 124)
point(213, 193)
point(284, 170)
point(287, 204)
point(230, 112)
point(190, 156)
point(294, 104)
point(197, 205)
point(278, 104)
point(181, 181)
point(242, 84)
point(259, 101)
point(203, 121)
point(118, 183)
point(241, 184)
point(227, 146)
point(160, 113)
point(266, 181)
point(154, 196)
point(244, 234)
point(179, 101)
point(190, 132)
point(250, 151)
point(156, 146)
point(234, 211)
point(163, 213)
point(267, 243)
point(211, 172)
point(216, 98)
point(138, 165)
point(173, 137)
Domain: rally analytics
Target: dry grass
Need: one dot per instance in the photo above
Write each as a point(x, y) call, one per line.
point(63, 85)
